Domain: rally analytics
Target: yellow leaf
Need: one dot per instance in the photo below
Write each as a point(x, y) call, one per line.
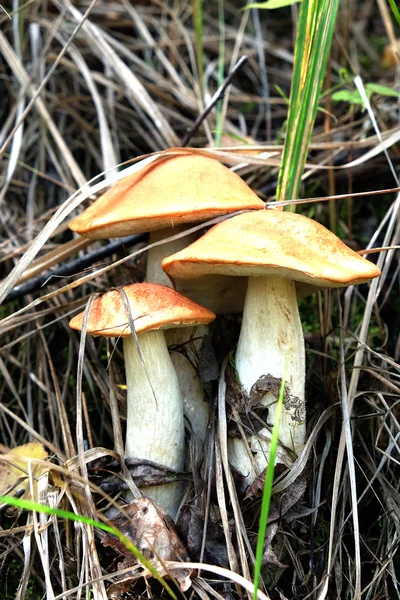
point(14, 467)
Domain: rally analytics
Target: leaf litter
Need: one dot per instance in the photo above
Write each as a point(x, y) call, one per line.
point(154, 533)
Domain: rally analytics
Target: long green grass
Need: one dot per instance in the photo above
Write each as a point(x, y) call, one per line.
point(267, 492)
point(24, 504)
point(316, 25)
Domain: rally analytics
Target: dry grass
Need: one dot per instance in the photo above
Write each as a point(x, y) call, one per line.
point(87, 86)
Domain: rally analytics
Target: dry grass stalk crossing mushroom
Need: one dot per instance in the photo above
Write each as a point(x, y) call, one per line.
point(155, 428)
point(275, 250)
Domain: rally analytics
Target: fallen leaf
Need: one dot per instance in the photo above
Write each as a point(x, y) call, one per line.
point(154, 534)
point(14, 467)
point(269, 557)
point(284, 505)
point(191, 524)
point(255, 490)
point(145, 473)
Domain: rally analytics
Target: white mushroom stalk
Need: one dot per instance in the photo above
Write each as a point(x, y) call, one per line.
point(275, 250)
point(155, 429)
point(195, 408)
point(271, 342)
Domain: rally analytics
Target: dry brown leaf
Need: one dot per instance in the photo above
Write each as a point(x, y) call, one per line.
point(14, 467)
point(154, 534)
point(256, 489)
point(284, 501)
point(269, 557)
point(191, 524)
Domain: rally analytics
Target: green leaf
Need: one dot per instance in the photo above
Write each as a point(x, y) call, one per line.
point(382, 90)
point(316, 23)
point(350, 96)
point(271, 4)
point(395, 10)
point(354, 96)
point(282, 93)
point(344, 75)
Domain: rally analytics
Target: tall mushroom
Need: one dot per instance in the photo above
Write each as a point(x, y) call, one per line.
point(275, 250)
point(166, 197)
point(154, 429)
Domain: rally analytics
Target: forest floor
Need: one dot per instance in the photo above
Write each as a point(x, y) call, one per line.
point(88, 88)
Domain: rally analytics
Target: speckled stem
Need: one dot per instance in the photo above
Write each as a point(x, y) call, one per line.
point(271, 342)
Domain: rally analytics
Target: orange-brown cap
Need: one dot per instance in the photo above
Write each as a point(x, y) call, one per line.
point(271, 242)
point(153, 307)
point(187, 188)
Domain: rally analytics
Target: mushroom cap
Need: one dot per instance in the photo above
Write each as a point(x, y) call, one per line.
point(153, 307)
point(271, 243)
point(174, 190)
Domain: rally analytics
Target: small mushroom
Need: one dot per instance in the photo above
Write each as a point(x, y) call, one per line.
point(155, 428)
point(275, 250)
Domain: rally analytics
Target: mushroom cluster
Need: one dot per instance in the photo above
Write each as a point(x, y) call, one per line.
point(166, 198)
point(256, 262)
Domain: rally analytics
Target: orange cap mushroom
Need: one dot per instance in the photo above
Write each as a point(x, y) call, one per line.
point(180, 189)
point(164, 197)
point(155, 429)
point(273, 249)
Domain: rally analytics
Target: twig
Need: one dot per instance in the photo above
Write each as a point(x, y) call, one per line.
point(72, 267)
point(217, 96)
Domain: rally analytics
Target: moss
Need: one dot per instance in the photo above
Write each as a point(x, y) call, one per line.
point(11, 573)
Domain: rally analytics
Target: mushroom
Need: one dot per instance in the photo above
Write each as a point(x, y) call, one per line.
point(177, 190)
point(275, 250)
point(154, 429)
point(165, 198)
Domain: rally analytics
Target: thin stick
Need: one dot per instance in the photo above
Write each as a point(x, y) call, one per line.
point(72, 267)
point(217, 96)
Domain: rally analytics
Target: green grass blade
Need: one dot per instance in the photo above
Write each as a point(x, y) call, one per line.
point(271, 4)
point(65, 514)
point(395, 10)
point(314, 37)
point(269, 480)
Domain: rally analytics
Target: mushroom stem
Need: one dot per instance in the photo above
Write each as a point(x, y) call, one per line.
point(155, 429)
point(154, 272)
point(271, 342)
point(194, 406)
